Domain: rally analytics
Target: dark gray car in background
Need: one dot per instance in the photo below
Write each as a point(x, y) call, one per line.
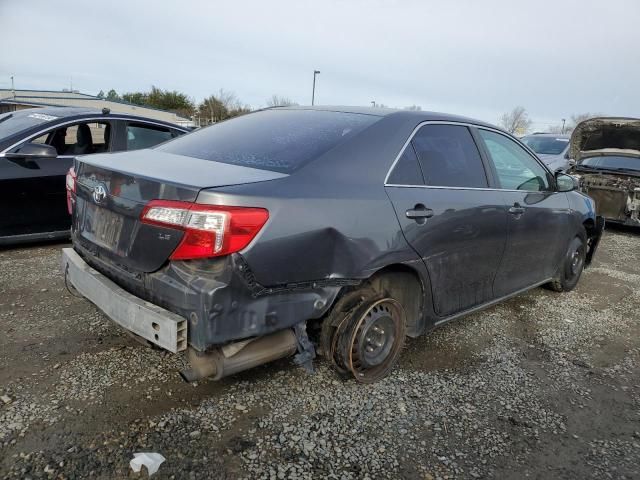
point(340, 229)
point(37, 147)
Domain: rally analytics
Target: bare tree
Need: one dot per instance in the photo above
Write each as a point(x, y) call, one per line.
point(229, 100)
point(516, 121)
point(579, 117)
point(211, 110)
point(279, 101)
point(220, 106)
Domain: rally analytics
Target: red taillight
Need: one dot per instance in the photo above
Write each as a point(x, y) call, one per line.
point(71, 188)
point(210, 231)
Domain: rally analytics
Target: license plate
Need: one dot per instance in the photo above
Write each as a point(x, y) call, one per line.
point(102, 227)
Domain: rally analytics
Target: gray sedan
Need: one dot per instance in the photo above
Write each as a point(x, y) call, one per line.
point(333, 230)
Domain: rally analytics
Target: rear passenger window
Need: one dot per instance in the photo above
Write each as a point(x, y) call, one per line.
point(146, 136)
point(449, 157)
point(406, 170)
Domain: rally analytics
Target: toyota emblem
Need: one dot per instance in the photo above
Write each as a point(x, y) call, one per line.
point(99, 194)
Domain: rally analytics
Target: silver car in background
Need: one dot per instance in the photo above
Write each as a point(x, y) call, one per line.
point(551, 148)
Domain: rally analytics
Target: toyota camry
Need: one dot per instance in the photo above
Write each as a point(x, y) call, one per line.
point(342, 231)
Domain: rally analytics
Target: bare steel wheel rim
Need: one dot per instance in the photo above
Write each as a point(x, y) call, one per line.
point(575, 265)
point(376, 339)
point(377, 336)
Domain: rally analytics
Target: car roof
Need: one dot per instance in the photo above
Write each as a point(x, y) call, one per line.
point(419, 115)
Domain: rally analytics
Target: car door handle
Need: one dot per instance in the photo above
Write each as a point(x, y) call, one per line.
point(516, 209)
point(419, 212)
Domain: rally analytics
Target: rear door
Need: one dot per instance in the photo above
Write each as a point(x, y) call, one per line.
point(440, 190)
point(538, 216)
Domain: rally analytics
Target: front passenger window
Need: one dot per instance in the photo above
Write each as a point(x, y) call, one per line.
point(516, 169)
point(78, 139)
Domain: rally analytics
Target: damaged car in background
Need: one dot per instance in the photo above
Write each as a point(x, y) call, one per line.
point(607, 155)
point(338, 230)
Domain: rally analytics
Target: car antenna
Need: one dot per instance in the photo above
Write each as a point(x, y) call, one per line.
point(106, 111)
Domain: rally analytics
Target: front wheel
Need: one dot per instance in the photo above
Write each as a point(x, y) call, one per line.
point(572, 266)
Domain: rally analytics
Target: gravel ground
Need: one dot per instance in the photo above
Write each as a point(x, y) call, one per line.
point(546, 385)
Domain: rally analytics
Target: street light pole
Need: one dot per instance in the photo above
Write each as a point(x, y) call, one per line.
point(313, 92)
point(563, 120)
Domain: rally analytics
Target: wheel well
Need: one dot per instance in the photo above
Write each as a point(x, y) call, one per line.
point(402, 283)
point(589, 225)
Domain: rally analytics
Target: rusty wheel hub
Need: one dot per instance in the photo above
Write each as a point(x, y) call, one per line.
point(368, 339)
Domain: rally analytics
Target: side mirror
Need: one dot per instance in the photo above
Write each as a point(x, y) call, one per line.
point(566, 183)
point(31, 151)
point(27, 154)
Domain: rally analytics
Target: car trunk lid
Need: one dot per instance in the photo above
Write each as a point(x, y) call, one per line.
point(113, 189)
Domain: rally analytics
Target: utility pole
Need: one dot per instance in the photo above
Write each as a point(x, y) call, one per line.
point(313, 92)
point(563, 120)
point(13, 90)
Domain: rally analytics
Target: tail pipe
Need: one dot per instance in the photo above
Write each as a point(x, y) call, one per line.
point(257, 352)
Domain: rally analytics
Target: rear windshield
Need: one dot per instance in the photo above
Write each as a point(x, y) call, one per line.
point(14, 122)
point(612, 162)
point(278, 140)
point(546, 145)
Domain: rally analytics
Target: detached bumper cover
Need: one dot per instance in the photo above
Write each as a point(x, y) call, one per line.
point(151, 322)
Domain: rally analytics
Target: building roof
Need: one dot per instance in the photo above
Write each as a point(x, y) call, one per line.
point(42, 98)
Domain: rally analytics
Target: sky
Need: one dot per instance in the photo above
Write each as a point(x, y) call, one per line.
point(475, 58)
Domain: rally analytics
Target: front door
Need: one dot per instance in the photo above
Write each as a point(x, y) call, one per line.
point(538, 216)
point(448, 214)
point(38, 193)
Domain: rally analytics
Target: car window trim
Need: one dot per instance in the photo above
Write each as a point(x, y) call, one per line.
point(79, 120)
point(492, 174)
point(470, 126)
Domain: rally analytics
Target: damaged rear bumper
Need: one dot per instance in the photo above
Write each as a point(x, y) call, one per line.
point(218, 298)
point(153, 323)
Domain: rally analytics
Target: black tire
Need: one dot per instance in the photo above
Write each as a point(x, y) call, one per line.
point(364, 334)
point(572, 265)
